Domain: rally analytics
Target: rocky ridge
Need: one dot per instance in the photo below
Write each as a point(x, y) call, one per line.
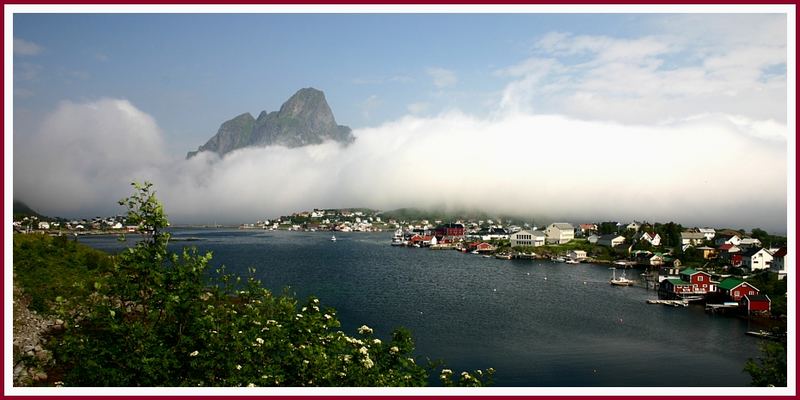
point(304, 119)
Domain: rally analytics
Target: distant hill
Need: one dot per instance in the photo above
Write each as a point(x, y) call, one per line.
point(410, 214)
point(21, 210)
point(302, 120)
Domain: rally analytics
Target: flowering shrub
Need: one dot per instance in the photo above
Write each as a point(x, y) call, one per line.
point(157, 319)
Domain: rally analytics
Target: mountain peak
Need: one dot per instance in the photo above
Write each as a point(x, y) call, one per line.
point(304, 119)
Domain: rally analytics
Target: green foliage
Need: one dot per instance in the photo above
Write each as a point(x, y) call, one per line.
point(47, 267)
point(768, 283)
point(606, 228)
point(768, 240)
point(770, 368)
point(161, 319)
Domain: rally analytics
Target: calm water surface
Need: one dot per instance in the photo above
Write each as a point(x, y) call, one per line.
point(537, 323)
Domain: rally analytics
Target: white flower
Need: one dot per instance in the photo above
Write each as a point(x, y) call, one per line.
point(299, 315)
point(304, 309)
point(305, 362)
point(394, 350)
point(194, 353)
point(315, 308)
point(376, 341)
point(315, 301)
point(347, 358)
point(260, 340)
point(238, 367)
point(240, 332)
point(447, 371)
point(365, 330)
point(251, 385)
point(327, 316)
point(363, 350)
point(367, 363)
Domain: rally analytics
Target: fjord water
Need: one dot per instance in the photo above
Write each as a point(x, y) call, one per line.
point(537, 323)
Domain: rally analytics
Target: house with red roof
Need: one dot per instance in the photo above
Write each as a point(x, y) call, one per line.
point(778, 262)
point(651, 237)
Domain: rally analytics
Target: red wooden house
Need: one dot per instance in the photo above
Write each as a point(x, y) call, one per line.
point(484, 247)
point(450, 230)
point(736, 289)
point(759, 303)
point(672, 288)
point(700, 280)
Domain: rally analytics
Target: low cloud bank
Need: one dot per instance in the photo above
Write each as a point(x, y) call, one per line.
point(712, 169)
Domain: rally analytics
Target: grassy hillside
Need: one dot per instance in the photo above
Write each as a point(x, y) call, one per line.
point(47, 267)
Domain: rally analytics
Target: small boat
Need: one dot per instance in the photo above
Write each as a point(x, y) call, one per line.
point(621, 281)
point(503, 256)
point(571, 261)
point(767, 335)
point(474, 252)
point(559, 259)
point(333, 238)
point(397, 239)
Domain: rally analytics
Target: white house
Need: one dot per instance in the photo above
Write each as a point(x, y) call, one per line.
point(732, 239)
point(44, 225)
point(749, 242)
point(577, 255)
point(611, 240)
point(317, 213)
point(709, 233)
point(652, 238)
point(528, 238)
point(779, 262)
point(692, 238)
point(559, 232)
point(494, 233)
point(593, 239)
point(756, 259)
point(633, 226)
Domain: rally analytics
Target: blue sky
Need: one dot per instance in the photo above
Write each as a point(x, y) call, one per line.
point(567, 101)
point(192, 72)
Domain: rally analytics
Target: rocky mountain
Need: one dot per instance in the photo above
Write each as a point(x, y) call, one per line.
point(302, 120)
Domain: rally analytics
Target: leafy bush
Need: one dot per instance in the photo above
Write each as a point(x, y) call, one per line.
point(770, 368)
point(157, 320)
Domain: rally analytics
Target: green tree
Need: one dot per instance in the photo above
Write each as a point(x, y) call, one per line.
point(163, 319)
point(762, 236)
point(770, 368)
point(606, 228)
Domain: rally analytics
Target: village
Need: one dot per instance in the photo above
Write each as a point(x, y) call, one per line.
point(717, 268)
point(721, 268)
